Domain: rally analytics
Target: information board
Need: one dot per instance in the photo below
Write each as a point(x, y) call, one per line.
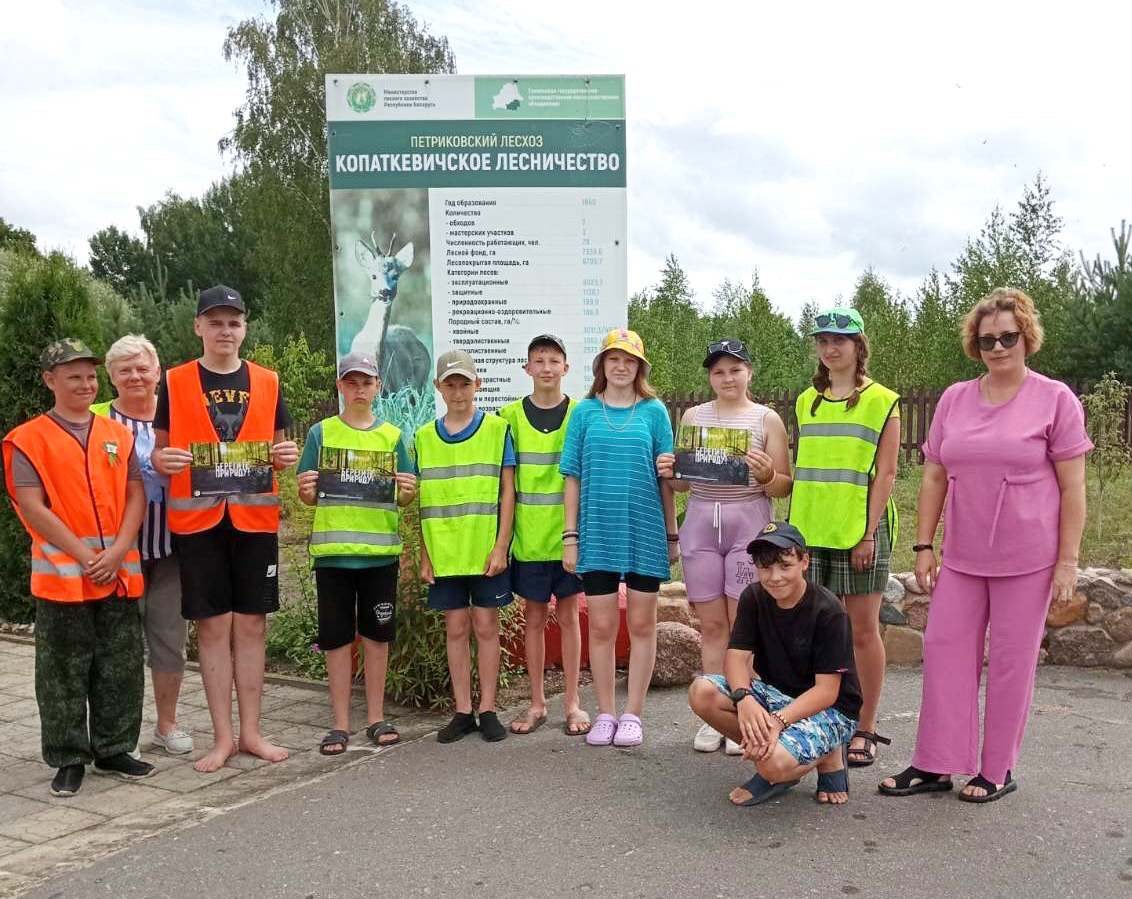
point(475, 212)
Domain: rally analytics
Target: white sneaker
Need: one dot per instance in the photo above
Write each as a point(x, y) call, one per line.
point(732, 748)
point(176, 742)
point(708, 739)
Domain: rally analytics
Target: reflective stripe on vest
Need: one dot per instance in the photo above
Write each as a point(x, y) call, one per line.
point(459, 495)
point(91, 504)
point(837, 449)
point(189, 423)
point(539, 511)
point(346, 528)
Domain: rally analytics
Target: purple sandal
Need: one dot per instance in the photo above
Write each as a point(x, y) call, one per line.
point(602, 731)
point(629, 732)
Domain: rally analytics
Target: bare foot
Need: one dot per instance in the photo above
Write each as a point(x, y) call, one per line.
point(216, 757)
point(258, 746)
point(530, 720)
point(738, 796)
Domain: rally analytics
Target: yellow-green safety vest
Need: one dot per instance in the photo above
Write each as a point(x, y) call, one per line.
point(459, 495)
point(837, 449)
point(352, 528)
point(102, 409)
point(539, 511)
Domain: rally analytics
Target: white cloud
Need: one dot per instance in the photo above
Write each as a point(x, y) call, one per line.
point(804, 141)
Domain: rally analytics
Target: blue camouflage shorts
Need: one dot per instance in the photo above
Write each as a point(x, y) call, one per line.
point(807, 740)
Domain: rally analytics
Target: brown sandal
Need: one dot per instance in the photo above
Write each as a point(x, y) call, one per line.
point(862, 758)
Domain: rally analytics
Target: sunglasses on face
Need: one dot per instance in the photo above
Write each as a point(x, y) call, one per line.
point(987, 341)
point(825, 320)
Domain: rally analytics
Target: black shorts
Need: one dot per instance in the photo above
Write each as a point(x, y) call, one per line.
point(460, 591)
point(356, 600)
point(538, 581)
point(602, 583)
point(227, 570)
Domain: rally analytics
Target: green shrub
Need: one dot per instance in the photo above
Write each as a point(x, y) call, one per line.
point(306, 376)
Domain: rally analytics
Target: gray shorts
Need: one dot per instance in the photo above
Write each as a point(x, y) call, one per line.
point(165, 629)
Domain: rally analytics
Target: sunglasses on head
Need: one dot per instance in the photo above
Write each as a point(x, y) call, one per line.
point(987, 341)
point(826, 319)
point(725, 346)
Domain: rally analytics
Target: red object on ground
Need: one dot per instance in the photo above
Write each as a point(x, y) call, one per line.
point(554, 636)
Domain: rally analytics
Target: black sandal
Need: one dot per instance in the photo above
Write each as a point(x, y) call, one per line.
point(912, 780)
point(337, 738)
point(380, 729)
point(869, 753)
point(993, 792)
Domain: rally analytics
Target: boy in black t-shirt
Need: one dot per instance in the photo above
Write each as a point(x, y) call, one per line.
point(801, 710)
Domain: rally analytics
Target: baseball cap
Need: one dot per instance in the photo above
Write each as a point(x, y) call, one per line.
point(547, 340)
point(728, 346)
point(220, 296)
point(69, 349)
point(838, 320)
point(625, 340)
point(455, 362)
point(359, 362)
point(781, 534)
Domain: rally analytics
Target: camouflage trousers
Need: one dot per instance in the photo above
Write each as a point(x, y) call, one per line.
point(88, 654)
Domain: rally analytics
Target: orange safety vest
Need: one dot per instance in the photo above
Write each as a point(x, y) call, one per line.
point(189, 422)
point(91, 507)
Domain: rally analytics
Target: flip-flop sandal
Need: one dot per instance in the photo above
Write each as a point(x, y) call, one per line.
point(912, 780)
point(336, 738)
point(992, 793)
point(533, 724)
point(603, 730)
point(380, 729)
point(582, 727)
point(834, 781)
point(868, 755)
point(762, 790)
point(629, 732)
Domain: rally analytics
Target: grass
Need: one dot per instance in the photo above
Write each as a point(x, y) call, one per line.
point(1110, 548)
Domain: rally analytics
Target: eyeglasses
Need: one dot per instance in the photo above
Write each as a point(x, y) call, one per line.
point(987, 341)
point(726, 346)
point(826, 319)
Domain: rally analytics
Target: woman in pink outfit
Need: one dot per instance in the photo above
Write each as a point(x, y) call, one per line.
point(1007, 452)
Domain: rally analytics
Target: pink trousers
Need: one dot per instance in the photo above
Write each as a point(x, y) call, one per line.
point(962, 605)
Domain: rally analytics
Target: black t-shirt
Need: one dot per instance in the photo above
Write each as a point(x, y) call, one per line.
point(546, 420)
point(227, 398)
point(793, 645)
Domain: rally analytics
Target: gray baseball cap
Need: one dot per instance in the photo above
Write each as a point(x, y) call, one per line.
point(359, 362)
point(455, 362)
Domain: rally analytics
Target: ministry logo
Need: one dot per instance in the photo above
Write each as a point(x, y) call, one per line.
point(361, 97)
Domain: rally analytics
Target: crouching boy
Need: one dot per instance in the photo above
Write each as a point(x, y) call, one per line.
point(801, 710)
point(466, 463)
point(356, 545)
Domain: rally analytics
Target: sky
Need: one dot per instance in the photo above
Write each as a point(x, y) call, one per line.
point(804, 142)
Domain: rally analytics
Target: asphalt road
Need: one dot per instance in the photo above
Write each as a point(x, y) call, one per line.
point(548, 816)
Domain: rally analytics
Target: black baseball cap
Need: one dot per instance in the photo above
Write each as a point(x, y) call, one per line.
point(728, 346)
point(781, 534)
point(548, 340)
point(218, 297)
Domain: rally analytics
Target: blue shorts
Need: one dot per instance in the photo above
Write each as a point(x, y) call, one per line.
point(459, 591)
point(538, 581)
point(807, 740)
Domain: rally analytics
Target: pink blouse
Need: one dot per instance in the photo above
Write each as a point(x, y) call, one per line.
point(1003, 498)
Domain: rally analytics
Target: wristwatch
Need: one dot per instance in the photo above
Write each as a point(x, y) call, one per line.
point(740, 694)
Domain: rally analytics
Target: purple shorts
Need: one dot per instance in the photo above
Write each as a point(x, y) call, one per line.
point(713, 546)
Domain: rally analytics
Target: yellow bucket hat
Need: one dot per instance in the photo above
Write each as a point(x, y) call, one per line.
point(628, 342)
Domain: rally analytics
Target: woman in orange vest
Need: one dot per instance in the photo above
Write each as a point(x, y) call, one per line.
point(228, 543)
point(77, 487)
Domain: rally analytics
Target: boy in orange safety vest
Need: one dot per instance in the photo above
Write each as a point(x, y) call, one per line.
point(77, 487)
point(228, 544)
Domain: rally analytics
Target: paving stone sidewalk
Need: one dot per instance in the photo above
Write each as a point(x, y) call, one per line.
point(40, 832)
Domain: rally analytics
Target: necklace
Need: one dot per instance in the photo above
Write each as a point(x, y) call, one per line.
point(628, 421)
